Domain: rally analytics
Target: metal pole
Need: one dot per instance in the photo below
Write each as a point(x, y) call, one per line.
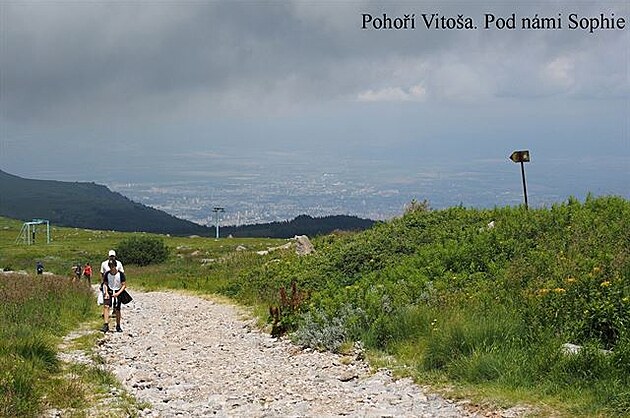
point(217, 210)
point(216, 222)
point(524, 184)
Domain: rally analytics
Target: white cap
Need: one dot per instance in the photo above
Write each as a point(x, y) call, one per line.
point(112, 253)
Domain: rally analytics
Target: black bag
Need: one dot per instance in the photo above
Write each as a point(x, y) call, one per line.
point(124, 297)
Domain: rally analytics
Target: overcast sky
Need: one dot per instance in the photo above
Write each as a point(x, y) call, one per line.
point(87, 86)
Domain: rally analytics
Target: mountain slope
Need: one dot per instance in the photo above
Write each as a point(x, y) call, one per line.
point(94, 206)
point(85, 205)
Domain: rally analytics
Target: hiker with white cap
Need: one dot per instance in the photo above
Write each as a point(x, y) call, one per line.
point(105, 264)
point(116, 269)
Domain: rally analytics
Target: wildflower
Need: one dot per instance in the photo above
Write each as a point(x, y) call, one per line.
point(626, 299)
point(596, 270)
point(542, 292)
point(559, 290)
point(605, 284)
point(571, 280)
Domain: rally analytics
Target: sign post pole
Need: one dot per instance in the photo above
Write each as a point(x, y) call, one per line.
point(522, 157)
point(524, 184)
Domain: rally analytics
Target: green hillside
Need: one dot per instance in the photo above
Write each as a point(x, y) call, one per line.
point(480, 299)
point(478, 302)
point(84, 205)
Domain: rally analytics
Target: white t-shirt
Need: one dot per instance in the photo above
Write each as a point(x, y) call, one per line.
point(105, 266)
point(114, 281)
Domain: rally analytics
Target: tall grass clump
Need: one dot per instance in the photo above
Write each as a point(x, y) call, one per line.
point(36, 311)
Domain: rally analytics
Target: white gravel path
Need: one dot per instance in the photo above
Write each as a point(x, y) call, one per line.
point(188, 356)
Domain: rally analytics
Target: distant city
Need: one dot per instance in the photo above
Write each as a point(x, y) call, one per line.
point(380, 193)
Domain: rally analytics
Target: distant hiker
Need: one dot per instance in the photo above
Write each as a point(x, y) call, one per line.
point(113, 285)
point(39, 267)
point(111, 256)
point(87, 273)
point(77, 271)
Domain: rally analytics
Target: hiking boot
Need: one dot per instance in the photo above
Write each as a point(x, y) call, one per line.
point(105, 328)
point(118, 329)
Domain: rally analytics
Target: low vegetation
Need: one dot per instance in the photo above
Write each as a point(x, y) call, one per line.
point(481, 301)
point(35, 313)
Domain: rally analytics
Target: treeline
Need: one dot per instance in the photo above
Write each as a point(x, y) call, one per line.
point(301, 225)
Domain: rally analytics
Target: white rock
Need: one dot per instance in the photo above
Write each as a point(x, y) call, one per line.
point(303, 245)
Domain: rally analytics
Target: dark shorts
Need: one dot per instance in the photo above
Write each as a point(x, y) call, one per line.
point(108, 302)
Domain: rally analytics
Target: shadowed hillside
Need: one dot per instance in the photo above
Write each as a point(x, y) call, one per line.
point(85, 205)
point(94, 206)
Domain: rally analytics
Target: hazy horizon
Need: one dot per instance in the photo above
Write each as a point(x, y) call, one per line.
point(223, 95)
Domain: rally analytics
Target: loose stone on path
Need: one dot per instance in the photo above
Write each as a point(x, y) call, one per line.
point(187, 356)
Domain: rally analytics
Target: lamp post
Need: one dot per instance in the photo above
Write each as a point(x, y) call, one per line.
point(216, 211)
point(522, 157)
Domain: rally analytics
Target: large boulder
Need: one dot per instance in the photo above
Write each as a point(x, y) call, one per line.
point(303, 245)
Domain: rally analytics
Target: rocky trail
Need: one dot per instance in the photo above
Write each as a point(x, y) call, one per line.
point(187, 356)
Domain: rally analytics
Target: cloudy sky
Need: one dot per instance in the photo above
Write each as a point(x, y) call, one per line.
point(91, 90)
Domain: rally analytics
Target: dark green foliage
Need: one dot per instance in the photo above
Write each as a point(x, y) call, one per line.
point(142, 250)
point(301, 225)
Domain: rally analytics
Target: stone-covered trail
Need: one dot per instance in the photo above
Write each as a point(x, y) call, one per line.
point(188, 356)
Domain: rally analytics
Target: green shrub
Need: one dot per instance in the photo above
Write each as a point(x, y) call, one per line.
point(142, 250)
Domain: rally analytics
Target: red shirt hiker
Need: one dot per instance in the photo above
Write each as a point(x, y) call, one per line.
point(87, 273)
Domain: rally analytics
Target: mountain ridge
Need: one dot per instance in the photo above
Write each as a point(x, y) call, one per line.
point(95, 206)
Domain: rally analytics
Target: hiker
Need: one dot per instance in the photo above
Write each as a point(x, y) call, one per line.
point(87, 273)
point(77, 271)
point(111, 256)
point(39, 267)
point(113, 285)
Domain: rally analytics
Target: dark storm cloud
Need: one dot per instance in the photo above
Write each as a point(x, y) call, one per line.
point(142, 60)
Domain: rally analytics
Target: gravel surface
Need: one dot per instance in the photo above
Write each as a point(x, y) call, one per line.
point(188, 356)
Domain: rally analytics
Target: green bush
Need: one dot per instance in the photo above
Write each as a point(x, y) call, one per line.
point(142, 250)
